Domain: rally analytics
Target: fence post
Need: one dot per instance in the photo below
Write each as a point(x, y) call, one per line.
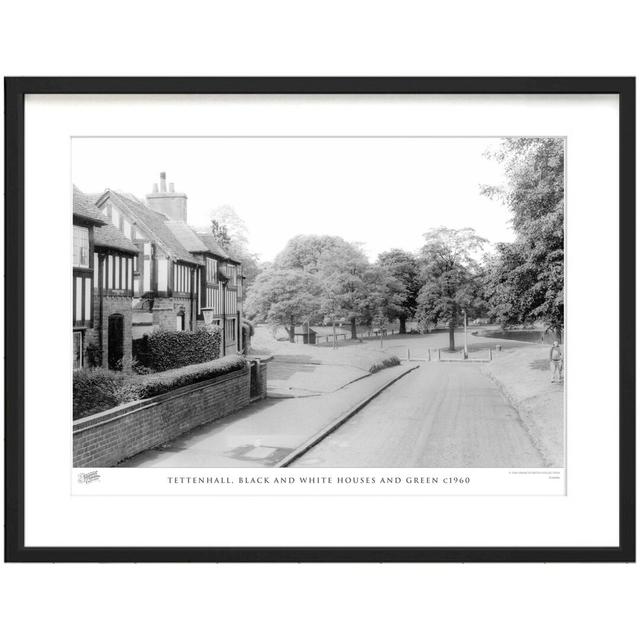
point(429, 356)
point(438, 355)
point(490, 355)
point(408, 355)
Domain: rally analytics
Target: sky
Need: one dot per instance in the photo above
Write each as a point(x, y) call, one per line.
point(382, 192)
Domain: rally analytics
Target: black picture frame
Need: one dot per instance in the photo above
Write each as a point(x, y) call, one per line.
point(15, 91)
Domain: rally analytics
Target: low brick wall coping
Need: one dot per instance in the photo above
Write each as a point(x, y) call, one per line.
point(107, 438)
point(99, 419)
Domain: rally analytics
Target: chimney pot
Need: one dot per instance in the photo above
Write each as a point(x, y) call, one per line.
point(163, 181)
point(155, 187)
point(171, 187)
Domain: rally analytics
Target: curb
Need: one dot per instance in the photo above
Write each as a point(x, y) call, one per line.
point(310, 393)
point(332, 426)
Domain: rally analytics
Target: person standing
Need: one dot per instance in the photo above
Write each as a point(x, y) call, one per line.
point(555, 360)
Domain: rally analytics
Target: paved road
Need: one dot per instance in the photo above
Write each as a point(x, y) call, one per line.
point(441, 415)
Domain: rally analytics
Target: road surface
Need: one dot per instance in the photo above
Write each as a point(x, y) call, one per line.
point(440, 415)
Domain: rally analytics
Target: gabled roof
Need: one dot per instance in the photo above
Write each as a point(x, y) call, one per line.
point(213, 247)
point(211, 244)
point(151, 222)
point(187, 236)
point(109, 236)
point(85, 207)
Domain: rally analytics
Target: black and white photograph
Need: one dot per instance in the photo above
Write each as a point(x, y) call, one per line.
point(318, 302)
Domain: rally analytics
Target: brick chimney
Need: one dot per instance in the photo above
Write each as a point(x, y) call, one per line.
point(169, 202)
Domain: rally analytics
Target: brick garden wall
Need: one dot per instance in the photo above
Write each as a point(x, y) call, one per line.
point(106, 438)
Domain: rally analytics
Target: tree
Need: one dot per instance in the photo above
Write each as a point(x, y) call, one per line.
point(231, 232)
point(525, 281)
point(343, 271)
point(341, 268)
point(452, 277)
point(233, 223)
point(306, 251)
point(403, 267)
point(284, 296)
point(220, 233)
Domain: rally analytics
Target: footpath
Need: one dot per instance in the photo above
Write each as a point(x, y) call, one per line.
point(267, 432)
point(524, 376)
point(299, 370)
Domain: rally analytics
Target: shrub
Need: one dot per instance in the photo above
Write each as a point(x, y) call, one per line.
point(139, 368)
point(96, 390)
point(164, 350)
point(94, 355)
point(384, 363)
point(156, 383)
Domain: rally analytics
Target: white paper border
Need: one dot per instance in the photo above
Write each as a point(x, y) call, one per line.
point(588, 515)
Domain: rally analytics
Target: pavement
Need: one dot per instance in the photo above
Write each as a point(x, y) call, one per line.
point(524, 377)
point(265, 432)
point(295, 376)
point(442, 415)
point(298, 370)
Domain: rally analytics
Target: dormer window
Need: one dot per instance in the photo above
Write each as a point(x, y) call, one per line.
point(80, 246)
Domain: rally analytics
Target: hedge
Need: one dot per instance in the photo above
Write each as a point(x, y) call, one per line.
point(384, 363)
point(156, 383)
point(163, 350)
point(96, 390)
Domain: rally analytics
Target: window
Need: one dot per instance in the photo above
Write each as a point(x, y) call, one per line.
point(80, 246)
point(231, 274)
point(230, 329)
point(77, 349)
point(87, 299)
point(212, 270)
point(78, 293)
point(180, 321)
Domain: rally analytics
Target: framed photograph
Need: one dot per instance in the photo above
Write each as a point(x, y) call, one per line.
point(320, 319)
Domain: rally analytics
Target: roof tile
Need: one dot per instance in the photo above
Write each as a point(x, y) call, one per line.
point(153, 223)
point(84, 207)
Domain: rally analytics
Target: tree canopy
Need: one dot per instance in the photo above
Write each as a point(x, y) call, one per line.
point(325, 278)
point(525, 280)
point(230, 231)
point(283, 296)
point(403, 284)
point(452, 277)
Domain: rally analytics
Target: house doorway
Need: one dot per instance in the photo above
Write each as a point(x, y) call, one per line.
point(180, 322)
point(116, 341)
